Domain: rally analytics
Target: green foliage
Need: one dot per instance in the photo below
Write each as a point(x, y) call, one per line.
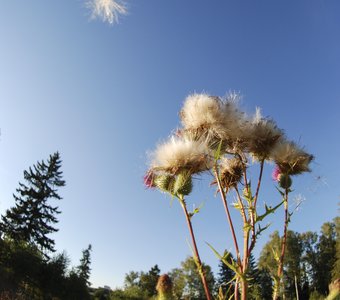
point(139, 285)
point(148, 281)
point(336, 266)
point(309, 257)
point(187, 281)
point(84, 269)
point(225, 277)
point(326, 257)
point(32, 218)
point(178, 281)
point(104, 294)
point(25, 273)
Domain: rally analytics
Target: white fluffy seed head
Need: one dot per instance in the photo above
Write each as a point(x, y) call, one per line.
point(180, 154)
point(201, 111)
point(215, 119)
point(263, 134)
point(290, 158)
point(234, 123)
point(107, 10)
point(231, 170)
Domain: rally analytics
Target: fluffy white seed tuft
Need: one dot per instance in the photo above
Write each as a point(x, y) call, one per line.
point(178, 155)
point(106, 10)
point(290, 158)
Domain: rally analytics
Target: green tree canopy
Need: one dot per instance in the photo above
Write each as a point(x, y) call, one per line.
point(33, 218)
point(187, 281)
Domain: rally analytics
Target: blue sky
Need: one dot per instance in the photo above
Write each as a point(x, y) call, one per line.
point(106, 95)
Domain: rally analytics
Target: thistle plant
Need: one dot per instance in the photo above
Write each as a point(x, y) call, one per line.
point(164, 288)
point(174, 162)
point(217, 137)
point(290, 160)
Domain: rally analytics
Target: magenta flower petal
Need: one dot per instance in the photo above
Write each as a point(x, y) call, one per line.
point(276, 174)
point(149, 180)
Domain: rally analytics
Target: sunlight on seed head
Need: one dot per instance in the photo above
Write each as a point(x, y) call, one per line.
point(106, 10)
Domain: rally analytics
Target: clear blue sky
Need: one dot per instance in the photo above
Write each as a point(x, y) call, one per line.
point(104, 95)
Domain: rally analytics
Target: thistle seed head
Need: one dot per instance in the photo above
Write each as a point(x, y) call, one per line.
point(290, 158)
point(231, 170)
point(201, 111)
point(182, 155)
point(164, 285)
point(263, 134)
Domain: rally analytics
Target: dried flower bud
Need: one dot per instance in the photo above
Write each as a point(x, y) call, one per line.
point(231, 171)
point(164, 287)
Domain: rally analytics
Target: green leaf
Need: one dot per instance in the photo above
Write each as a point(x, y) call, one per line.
point(282, 193)
point(260, 229)
point(269, 210)
point(237, 205)
point(218, 151)
point(224, 258)
point(276, 255)
point(196, 210)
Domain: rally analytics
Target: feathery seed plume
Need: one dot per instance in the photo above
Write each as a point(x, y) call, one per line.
point(201, 111)
point(290, 158)
point(214, 118)
point(263, 135)
point(234, 123)
point(202, 117)
point(182, 155)
point(107, 10)
point(231, 170)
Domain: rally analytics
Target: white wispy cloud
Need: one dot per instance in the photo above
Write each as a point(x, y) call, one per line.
point(106, 10)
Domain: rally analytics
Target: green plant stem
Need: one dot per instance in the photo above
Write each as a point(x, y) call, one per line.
point(198, 259)
point(259, 182)
point(283, 247)
point(252, 220)
point(244, 284)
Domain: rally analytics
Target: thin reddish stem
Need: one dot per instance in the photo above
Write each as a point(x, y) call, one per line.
point(283, 245)
point(225, 204)
point(198, 259)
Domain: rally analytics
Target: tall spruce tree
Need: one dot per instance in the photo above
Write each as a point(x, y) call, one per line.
point(84, 268)
point(33, 218)
point(225, 277)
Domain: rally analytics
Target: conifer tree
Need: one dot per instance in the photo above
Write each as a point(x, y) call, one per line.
point(33, 218)
point(225, 277)
point(84, 269)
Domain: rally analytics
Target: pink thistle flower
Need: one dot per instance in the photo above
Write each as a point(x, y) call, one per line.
point(276, 174)
point(149, 180)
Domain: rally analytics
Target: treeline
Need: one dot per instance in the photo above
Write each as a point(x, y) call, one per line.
point(29, 267)
point(311, 264)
